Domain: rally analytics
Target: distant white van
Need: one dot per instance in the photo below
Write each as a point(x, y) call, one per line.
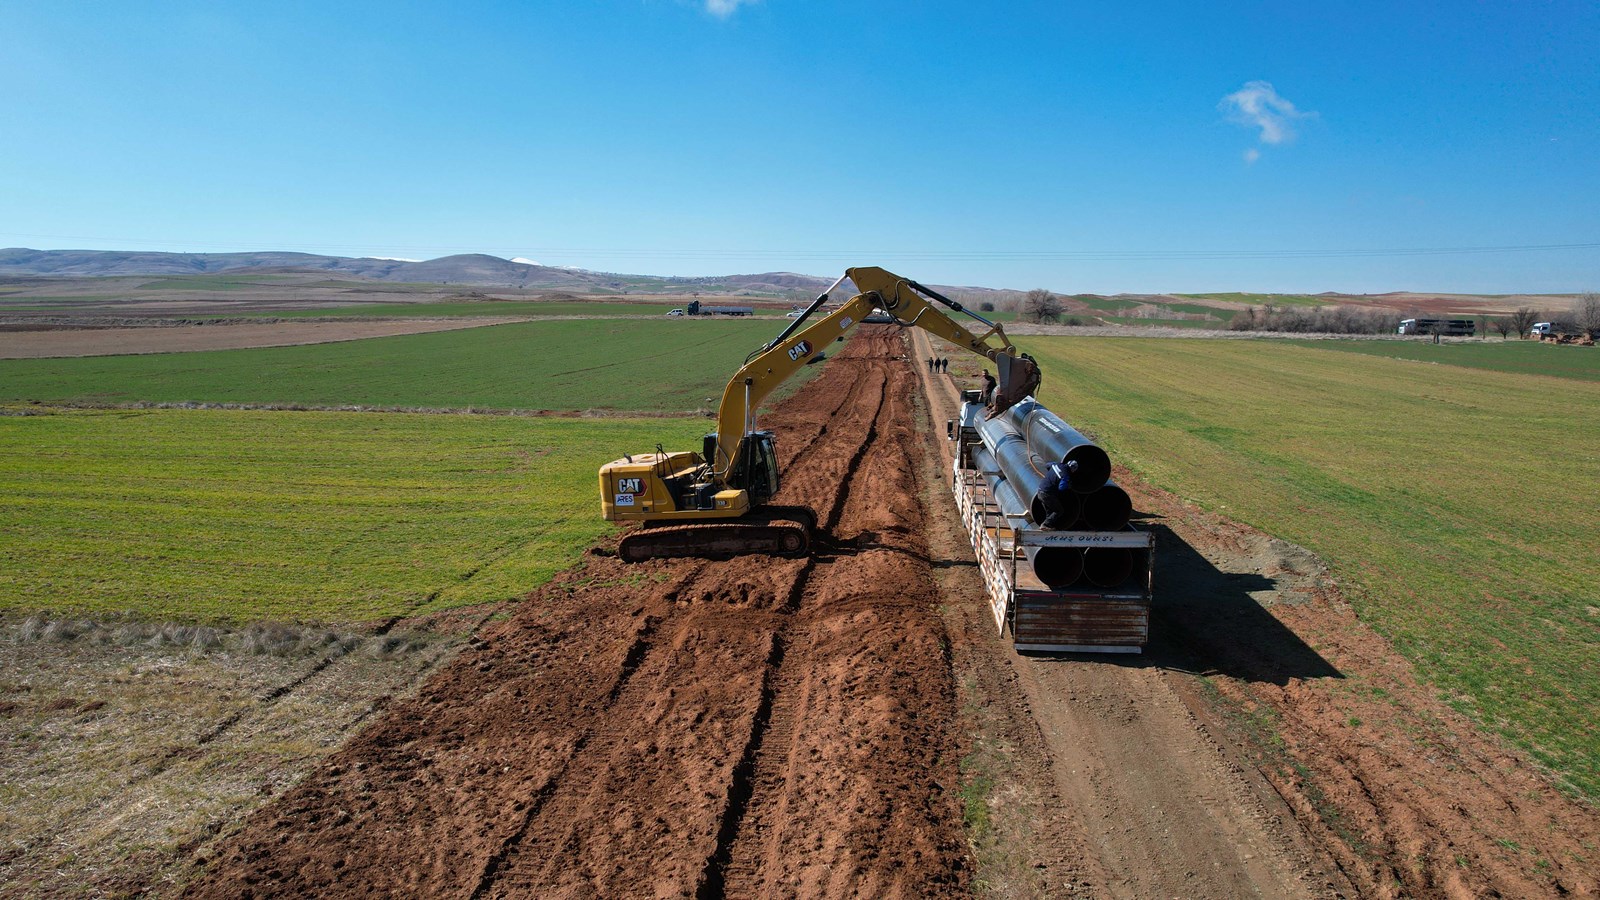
point(1541, 328)
point(675, 312)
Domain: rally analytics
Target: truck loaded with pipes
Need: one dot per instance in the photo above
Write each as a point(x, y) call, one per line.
point(1081, 585)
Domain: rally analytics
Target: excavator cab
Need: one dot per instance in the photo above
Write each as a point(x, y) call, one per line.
point(756, 470)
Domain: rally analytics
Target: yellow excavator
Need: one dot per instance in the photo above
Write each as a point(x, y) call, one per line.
point(715, 503)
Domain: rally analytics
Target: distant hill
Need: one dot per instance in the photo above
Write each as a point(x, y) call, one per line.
point(483, 270)
point(466, 268)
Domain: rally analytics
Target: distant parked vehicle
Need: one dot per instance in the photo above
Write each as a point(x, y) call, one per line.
point(794, 314)
point(696, 308)
point(675, 312)
point(1540, 329)
point(1458, 327)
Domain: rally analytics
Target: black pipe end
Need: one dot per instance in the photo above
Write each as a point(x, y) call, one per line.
point(1094, 468)
point(1038, 512)
point(1107, 566)
point(1058, 567)
point(1107, 509)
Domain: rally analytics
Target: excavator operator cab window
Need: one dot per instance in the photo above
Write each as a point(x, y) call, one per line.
point(760, 470)
point(769, 462)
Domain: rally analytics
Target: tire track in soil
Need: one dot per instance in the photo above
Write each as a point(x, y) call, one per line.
point(652, 729)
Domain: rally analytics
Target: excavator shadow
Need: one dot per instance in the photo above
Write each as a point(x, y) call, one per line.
point(1209, 621)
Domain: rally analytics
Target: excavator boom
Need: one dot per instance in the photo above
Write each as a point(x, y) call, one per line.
point(716, 502)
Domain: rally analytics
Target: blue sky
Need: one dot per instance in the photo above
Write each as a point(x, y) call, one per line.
point(1080, 147)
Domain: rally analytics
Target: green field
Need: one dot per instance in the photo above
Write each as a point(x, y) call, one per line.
point(1458, 507)
point(239, 516)
point(1162, 323)
point(1200, 309)
point(1528, 357)
point(486, 308)
point(621, 364)
point(1105, 304)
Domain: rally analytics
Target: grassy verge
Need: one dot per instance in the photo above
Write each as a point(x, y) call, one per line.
point(632, 365)
point(233, 516)
point(1459, 509)
point(1163, 323)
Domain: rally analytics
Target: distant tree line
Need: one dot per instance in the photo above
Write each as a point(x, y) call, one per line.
point(1316, 320)
point(1584, 317)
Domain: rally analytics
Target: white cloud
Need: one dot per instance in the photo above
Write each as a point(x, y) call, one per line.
point(524, 260)
point(1258, 105)
point(1251, 155)
point(725, 8)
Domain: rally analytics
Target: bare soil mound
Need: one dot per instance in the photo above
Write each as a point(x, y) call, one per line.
point(754, 726)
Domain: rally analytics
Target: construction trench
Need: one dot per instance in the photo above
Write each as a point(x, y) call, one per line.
point(678, 727)
point(796, 728)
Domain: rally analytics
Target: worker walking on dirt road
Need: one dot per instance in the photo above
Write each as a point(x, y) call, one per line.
point(1056, 483)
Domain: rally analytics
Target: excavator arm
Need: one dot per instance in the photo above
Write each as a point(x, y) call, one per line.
point(802, 344)
point(717, 503)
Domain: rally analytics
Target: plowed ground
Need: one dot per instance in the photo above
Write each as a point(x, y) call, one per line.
point(754, 726)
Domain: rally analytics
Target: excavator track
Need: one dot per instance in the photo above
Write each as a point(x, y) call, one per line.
point(772, 530)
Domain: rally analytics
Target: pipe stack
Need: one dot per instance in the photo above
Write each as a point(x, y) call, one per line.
point(1017, 446)
point(1057, 567)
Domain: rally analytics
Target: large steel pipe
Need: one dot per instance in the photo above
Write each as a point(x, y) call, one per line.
point(1071, 510)
point(1057, 567)
point(1004, 492)
point(1047, 439)
point(1018, 465)
point(1107, 566)
point(1107, 509)
point(1025, 472)
point(1054, 439)
point(999, 428)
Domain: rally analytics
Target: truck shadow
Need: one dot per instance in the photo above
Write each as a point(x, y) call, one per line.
point(1205, 621)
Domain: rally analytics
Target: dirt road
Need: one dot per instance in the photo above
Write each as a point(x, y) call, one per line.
point(1268, 743)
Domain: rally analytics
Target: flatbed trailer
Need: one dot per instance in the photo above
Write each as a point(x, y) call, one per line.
point(1076, 620)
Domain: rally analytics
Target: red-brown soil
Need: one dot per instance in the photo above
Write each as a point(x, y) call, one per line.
point(755, 726)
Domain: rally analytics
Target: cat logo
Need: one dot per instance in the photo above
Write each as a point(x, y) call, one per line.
point(630, 485)
point(801, 349)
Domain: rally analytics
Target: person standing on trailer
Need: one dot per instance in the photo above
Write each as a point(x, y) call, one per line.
point(1056, 483)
